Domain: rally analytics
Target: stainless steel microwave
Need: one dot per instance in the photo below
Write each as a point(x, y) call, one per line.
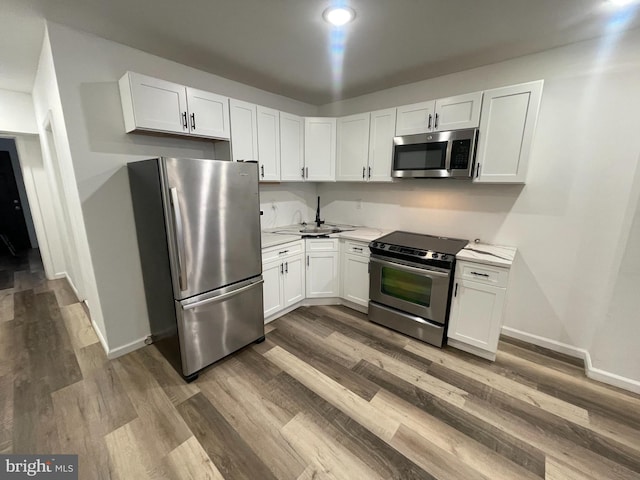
point(435, 155)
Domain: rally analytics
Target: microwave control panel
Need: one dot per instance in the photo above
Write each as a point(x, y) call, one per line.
point(460, 154)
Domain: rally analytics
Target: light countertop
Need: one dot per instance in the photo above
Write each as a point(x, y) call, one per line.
point(495, 255)
point(280, 235)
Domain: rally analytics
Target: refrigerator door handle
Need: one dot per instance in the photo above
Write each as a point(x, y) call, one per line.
point(224, 296)
point(177, 215)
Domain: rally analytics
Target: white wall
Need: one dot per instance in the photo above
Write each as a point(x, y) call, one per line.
point(287, 204)
point(87, 70)
point(568, 221)
point(16, 112)
point(68, 220)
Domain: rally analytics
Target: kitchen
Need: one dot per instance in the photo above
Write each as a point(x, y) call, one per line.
point(566, 211)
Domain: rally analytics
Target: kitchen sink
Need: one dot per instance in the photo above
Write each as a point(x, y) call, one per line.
point(320, 230)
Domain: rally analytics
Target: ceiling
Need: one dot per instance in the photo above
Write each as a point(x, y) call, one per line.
point(284, 46)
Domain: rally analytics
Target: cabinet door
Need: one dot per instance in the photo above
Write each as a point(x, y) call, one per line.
point(507, 127)
point(322, 275)
point(476, 314)
point(320, 148)
point(353, 148)
point(355, 279)
point(291, 147)
point(461, 111)
point(244, 130)
point(269, 144)
point(383, 125)
point(415, 118)
point(208, 114)
point(294, 286)
point(156, 105)
point(273, 298)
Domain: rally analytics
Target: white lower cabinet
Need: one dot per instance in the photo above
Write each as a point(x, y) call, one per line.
point(284, 276)
point(322, 276)
point(354, 266)
point(479, 294)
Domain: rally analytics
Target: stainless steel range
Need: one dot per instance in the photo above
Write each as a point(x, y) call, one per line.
point(411, 276)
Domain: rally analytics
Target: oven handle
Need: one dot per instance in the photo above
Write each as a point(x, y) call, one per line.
point(407, 268)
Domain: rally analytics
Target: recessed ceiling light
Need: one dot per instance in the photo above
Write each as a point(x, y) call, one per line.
point(339, 16)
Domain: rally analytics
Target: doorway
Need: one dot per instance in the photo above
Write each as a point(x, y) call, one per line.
point(17, 233)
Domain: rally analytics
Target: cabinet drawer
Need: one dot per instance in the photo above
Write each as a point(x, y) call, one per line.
point(356, 248)
point(322, 245)
point(282, 251)
point(482, 273)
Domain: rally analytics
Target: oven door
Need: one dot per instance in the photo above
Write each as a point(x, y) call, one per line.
point(413, 289)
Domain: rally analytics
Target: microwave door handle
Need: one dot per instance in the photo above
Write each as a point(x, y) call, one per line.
point(447, 160)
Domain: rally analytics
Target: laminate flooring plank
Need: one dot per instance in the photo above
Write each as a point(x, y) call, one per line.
point(442, 465)
point(6, 413)
point(357, 439)
point(6, 279)
point(257, 420)
point(578, 433)
point(593, 397)
point(189, 461)
point(6, 306)
point(314, 356)
point(448, 441)
point(78, 326)
point(173, 385)
point(324, 452)
point(269, 327)
point(84, 413)
point(231, 455)
point(552, 444)
point(557, 470)
point(516, 390)
point(391, 346)
point(299, 329)
point(157, 414)
point(8, 346)
point(308, 314)
point(34, 424)
point(340, 397)
point(509, 447)
point(91, 358)
point(128, 459)
point(543, 354)
point(51, 355)
point(416, 377)
point(255, 366)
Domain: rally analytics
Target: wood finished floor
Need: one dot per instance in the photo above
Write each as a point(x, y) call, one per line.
point(328, 395)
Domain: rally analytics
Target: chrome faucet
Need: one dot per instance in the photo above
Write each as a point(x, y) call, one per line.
point(318, 221)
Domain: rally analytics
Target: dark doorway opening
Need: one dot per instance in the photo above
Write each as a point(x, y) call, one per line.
point(14, 236)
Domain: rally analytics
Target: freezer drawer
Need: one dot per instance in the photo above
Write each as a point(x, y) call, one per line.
point(213, 325)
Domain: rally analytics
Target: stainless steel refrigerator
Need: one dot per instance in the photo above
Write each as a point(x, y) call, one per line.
point(198, 228)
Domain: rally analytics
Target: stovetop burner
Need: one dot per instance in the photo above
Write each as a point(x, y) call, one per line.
point(419, 248)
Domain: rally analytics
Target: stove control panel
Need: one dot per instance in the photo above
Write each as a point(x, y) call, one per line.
point(411, 252)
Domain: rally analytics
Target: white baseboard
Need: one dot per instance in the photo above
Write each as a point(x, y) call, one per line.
point(124, 349)
point(591, 372)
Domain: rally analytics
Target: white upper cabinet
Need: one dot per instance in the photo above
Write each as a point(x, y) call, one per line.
point(415, 118)
point(208, 114)
point(507, 126)
point(455, 113)
point(452, 113)
point(291, 148)
point(151, 104)
point(319, 148)
point(383, 125)
point(268, 143)
point(352, 159)
point(244, 130)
